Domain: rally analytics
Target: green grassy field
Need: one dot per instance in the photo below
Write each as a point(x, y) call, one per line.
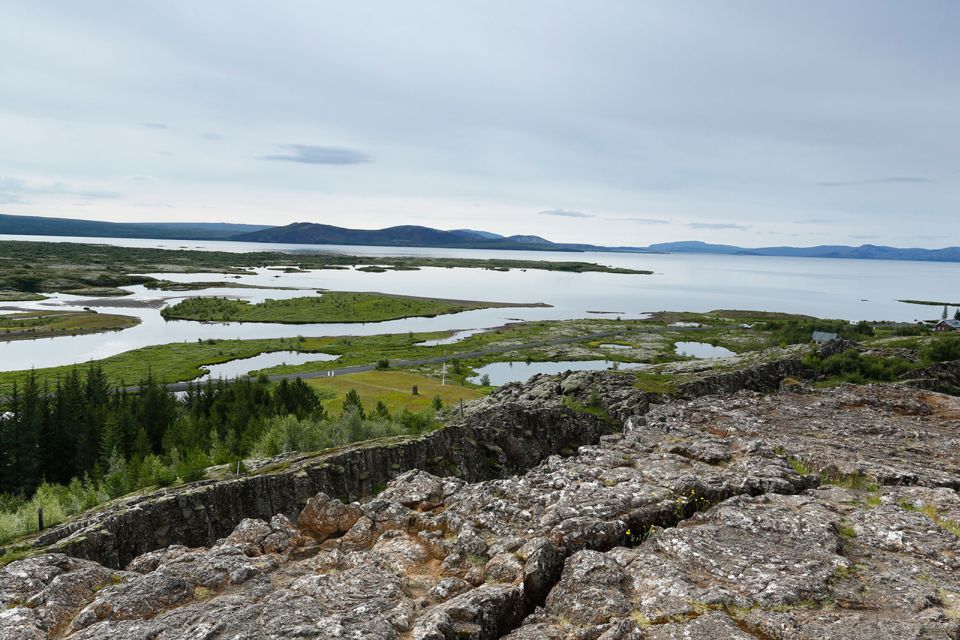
point(651, 341)
point(47, 324)
point(393, 388)
point(332, 306)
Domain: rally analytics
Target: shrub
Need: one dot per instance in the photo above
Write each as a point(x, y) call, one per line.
point(942, 349)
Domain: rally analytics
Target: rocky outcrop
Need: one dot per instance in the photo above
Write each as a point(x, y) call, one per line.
point(507, 433)
point(496, 438)
point(942, 376)
point(803, 514)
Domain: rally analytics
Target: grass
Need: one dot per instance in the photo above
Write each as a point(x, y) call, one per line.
point(332, 306)
point(30, 325)
point(593, 409)
point(176, 362)
point(654, 382)
point(393, 388)
point(7, 295)
point(19, 553)
point(172, 362)
point(802, 467)
point(934, 514)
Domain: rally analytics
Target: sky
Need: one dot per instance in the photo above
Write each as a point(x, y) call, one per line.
point(754, 122)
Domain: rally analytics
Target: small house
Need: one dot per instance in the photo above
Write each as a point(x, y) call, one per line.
point(947, 324)
point(824, 336)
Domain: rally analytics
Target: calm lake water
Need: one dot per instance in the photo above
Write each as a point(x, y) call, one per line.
point(504, 372)
point(243, 366)
point(702, 350)
point(849, 289)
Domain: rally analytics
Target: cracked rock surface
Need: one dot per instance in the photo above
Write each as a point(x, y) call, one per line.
point(806, 515)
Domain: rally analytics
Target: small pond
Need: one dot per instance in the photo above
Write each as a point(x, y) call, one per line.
point(702, 350)
point(504, 372)
point(456, 337)
point(610, 345)
point(243, 366)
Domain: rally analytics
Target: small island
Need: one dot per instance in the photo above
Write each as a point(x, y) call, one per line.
point(30, 325)
point(331, 306)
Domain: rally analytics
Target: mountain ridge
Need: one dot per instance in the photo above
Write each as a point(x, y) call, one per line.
point(420, 236)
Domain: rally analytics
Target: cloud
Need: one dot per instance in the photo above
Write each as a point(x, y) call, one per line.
point(718, 225)
point(309, 154)
point(154, 125)
point(10, 198)
point(643, 220)
point(865, 236)
point(212, 136)
point(566, 213)
point(13, 190)
point(153, 205)
point(888, 180)
point(811, 221)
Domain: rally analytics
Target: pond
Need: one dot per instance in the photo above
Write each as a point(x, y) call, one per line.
point(456, 337)
point(702, 350)
point(243, 366)
point(610, 345)
point(504, 372)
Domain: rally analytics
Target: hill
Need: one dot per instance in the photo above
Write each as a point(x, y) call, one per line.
point(863, 252)
point(419, 236)
point(41, 226)
point(403, 236)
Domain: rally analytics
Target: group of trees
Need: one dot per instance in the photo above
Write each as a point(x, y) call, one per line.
point(77, 441)
point(78, 424)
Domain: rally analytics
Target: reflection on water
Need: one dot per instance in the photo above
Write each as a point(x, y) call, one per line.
point(504, 372)
point(456, 337)
point(243, 366)
point(702, 350)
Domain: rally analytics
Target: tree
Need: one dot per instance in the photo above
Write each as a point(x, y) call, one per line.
point(381, 412)
point(351, 402)
point(484, 380)
point(437, 403)
point(117, 481)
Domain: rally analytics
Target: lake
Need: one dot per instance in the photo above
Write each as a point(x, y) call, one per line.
point(848, 289)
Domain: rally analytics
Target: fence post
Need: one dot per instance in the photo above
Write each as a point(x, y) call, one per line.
point(40, 519)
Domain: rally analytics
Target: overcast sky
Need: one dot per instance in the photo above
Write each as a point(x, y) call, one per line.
point(748, 122)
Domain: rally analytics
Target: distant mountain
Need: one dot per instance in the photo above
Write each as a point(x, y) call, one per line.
point(40, 226)
point(402, 236)
point(417, 236)
point(529, 239)
point(863, 252)
point(473, 233)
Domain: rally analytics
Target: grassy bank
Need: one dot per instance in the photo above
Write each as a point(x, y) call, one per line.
point(31, 325)
point(332, 306)
point(393, 388)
